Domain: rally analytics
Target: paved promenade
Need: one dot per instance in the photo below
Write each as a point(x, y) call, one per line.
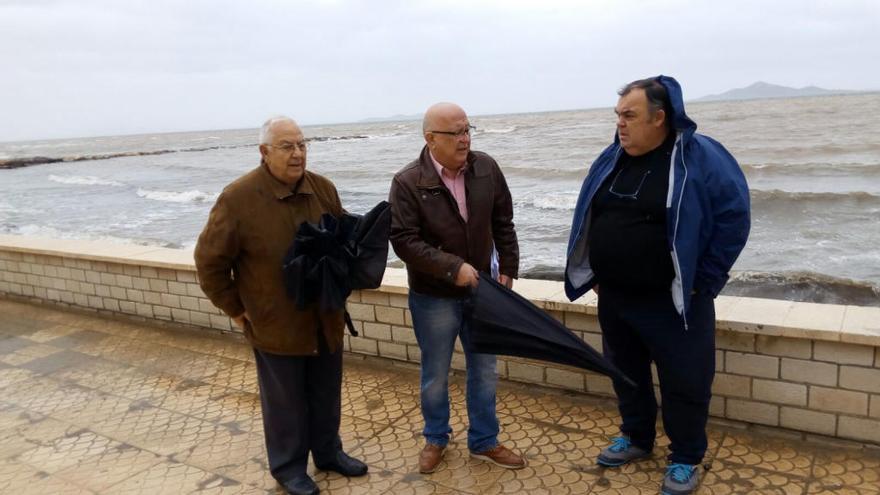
point(91, 405)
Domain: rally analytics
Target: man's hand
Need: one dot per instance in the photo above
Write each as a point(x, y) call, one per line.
point(467, 276)
point(596, 289)
point(505, 281)
point(241, 320)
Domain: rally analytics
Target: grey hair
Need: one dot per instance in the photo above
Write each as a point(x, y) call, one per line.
point(266, 130)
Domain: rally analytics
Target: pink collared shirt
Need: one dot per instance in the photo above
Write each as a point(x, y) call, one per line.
point(455, 183)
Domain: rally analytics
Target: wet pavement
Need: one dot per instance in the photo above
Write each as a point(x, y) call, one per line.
point(94, 405)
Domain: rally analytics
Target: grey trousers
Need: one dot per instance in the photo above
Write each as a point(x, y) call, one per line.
point(300, 398)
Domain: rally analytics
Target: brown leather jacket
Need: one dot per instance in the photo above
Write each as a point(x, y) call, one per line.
point(239, 254)
point(429, 234)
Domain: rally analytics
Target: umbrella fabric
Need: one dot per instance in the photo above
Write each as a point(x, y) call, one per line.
point(370, 247)
point(339, 254)
point(501, 321)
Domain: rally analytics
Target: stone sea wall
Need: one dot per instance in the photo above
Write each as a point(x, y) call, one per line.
point(813, 369)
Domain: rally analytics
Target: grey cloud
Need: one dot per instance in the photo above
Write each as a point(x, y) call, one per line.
point(106, 67)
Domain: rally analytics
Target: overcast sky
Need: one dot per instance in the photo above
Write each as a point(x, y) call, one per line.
point(98, 67)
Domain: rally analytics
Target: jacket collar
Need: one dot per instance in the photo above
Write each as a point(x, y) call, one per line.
point(281, 190)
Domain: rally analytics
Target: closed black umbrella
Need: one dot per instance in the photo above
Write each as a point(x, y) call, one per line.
point(339, 254)
point(500, 321)
point(370, 248)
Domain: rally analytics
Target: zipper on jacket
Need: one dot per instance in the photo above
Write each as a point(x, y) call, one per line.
point(674, 253)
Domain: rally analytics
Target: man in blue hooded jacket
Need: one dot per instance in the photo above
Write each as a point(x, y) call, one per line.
point(662, 215)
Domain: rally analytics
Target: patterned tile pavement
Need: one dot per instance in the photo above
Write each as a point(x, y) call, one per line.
point(97, 406)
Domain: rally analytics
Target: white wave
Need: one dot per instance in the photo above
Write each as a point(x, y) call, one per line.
point(46, 232)
point(557, 201)
point(124, 221)
point(41, 231)
point(35, 231)
point(83, 180)
point(194, 196)
point(500, 130)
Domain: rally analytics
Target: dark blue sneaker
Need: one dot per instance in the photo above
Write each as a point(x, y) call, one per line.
point(681, 479)
point(620, 452)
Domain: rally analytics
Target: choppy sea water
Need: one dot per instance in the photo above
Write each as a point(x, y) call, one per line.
point(813, 166)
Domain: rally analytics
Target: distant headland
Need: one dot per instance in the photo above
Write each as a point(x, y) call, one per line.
point(761, 90)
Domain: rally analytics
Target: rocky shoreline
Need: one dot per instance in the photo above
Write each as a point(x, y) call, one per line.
point(19, 162)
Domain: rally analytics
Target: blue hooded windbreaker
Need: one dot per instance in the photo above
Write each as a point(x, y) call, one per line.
point(707, 211)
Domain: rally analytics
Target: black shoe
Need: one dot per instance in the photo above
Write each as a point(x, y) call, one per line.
point(300, 485)
point(344, 465)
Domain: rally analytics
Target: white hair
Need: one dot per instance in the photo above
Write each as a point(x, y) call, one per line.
point(266, 130)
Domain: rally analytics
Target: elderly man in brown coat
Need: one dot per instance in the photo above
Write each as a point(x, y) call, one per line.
point(298, 352)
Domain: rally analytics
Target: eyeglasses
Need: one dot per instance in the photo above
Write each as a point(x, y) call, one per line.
point(633, 195)
point(458, 134)
point(290, 147)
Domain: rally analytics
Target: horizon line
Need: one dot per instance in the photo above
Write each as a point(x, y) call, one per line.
point(410, 117)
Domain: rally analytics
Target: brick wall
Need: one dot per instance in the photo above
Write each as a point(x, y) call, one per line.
point(110, 287)
point(810, 368)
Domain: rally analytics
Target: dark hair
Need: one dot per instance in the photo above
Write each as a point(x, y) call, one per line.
point(658, 97)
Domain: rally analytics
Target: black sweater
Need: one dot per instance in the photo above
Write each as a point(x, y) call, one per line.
point(629, 249)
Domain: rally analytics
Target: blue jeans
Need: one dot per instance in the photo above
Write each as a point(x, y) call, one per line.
point(437, 322)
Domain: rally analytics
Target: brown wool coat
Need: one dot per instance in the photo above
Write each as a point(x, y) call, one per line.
point(429, 234)
point(239, 254)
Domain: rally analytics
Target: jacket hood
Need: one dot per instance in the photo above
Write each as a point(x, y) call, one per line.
point(680, 121)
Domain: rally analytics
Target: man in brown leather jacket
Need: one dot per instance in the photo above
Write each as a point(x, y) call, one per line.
point(298, 352)
point(449, 208)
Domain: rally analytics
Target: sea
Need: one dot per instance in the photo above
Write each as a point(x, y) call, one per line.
point(812, 163)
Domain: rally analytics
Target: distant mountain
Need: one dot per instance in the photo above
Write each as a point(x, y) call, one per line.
point(393, 118)
point(767, 90)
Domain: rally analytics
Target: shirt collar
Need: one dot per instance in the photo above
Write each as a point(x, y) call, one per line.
point(439, 167)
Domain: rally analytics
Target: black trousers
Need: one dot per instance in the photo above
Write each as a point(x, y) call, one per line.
point(301, 401)
point(638, 329)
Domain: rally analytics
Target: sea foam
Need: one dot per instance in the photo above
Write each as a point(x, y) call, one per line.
point(558, 201)
point(83, 180)
point(194, 196)
point(500, 130)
